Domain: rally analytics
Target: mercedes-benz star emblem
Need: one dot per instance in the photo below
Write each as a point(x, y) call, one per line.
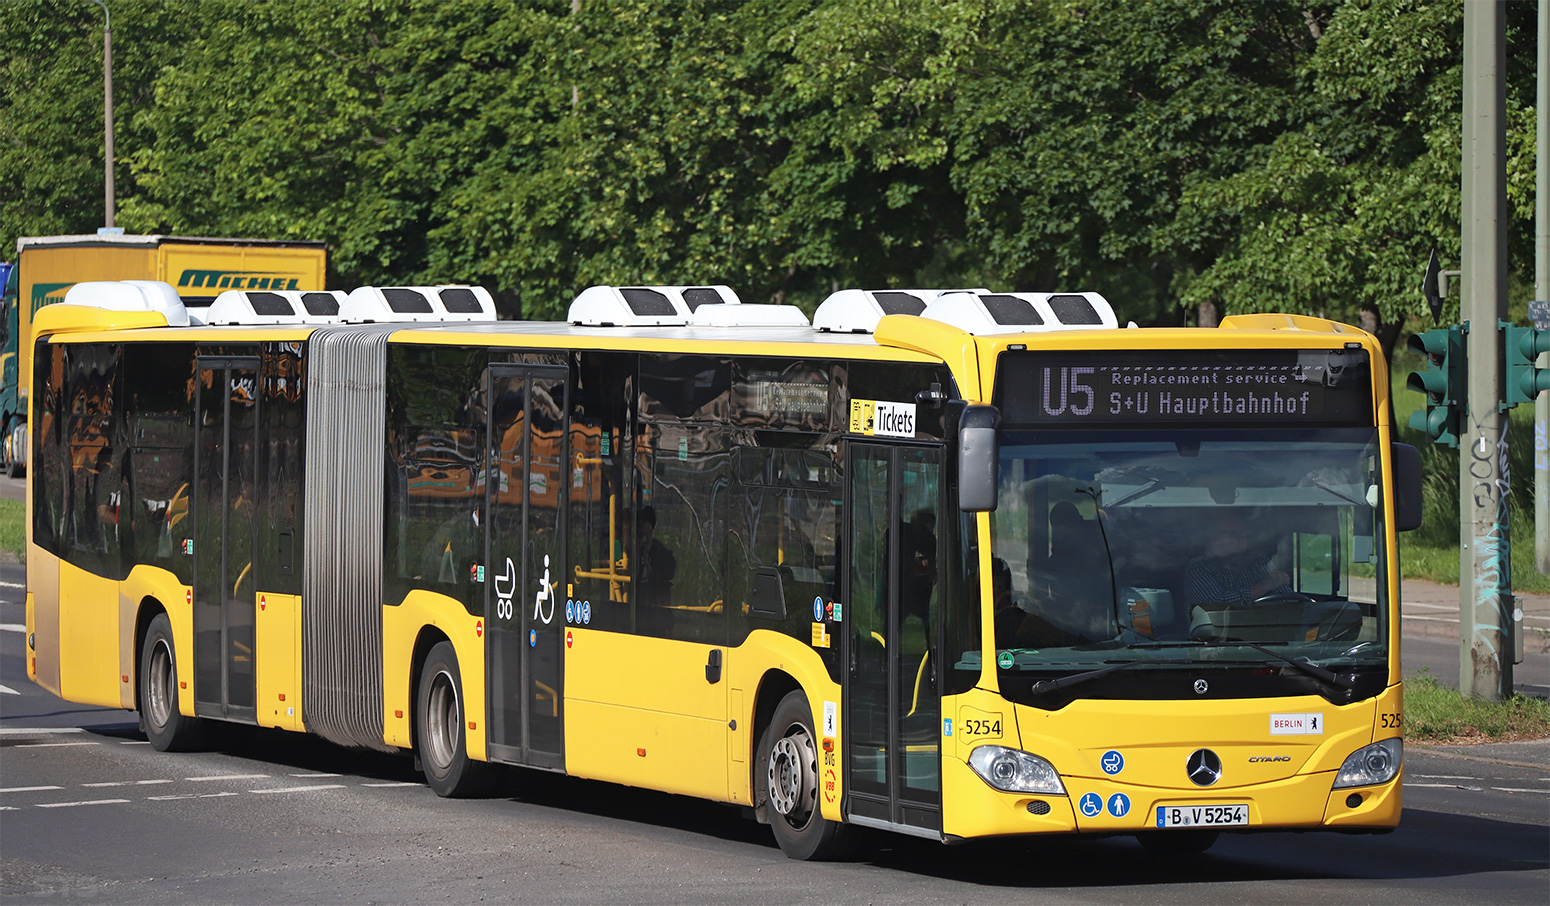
point(1201, 686)
point(1203, 767)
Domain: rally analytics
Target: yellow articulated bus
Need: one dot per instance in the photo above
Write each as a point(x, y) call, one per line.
point(954, 564)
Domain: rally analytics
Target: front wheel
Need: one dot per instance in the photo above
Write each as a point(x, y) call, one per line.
point(441, 743)
point(168, 729)
point(788, 781)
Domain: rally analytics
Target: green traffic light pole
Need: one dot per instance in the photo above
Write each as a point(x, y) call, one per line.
point(1485, 553)
point(1542, 291)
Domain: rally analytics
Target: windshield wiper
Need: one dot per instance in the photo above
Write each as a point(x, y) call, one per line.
point(1308, 667)
point(1045, 686)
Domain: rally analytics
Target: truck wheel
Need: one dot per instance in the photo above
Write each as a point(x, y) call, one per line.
point(788, 780)
point(441, 743)
point(167, 728)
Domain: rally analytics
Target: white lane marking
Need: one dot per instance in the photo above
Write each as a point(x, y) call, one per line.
point(9, 808)
point(13, 627)
point(127, 783)
point(1452, 607)
point(303, 789)
point(313, 775)
point(135, 742)
point(228, 777)
point(29, 789)
point(38, 731)
point(191, 796)
point(12, 585)
point(1446, 786)
point(1410, 616)
point(1445, 776)
point(53, 745)
point(87, 802)
point(388, 785)
point(7, 690)
point(1513, 789)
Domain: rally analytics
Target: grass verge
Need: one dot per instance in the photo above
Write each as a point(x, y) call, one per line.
point(1434, 713)
point(13, 527)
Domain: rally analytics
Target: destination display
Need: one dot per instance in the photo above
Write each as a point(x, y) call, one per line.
point(1199, 389)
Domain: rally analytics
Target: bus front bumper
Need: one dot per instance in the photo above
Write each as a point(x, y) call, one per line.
point(1101, 806)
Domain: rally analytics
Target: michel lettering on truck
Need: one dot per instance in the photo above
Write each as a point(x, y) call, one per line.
point(194, 278)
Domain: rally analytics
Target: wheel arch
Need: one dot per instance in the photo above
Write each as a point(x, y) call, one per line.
point(774, 686)
point(150, 608)
point(429, 637)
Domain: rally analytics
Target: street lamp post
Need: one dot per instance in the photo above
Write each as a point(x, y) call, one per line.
point(107, 114)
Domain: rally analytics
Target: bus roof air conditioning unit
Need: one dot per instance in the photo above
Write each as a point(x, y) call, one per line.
point(859, 310)
point(746, 315)
point(275, 306)
point(982, 313)
point(646, 306)
point(388, 304)
point(130, 295)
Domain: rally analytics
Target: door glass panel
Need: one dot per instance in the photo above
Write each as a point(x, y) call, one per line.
point(867, 719)
point(546, 577)
point(210, 497)
point(238, 587)
point(503, 586)
point(919, 581)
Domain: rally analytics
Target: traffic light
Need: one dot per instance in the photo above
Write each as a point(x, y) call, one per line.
point(1444, 382)
point(1523, 380)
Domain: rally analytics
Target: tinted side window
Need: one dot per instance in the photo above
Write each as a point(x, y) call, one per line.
point(159, 411)
point(783, 531)
point(435, 496)
point(677, 554)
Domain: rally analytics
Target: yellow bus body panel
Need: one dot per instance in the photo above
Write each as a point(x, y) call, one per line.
point(638, 711)
point(401, 628)
point(43, 616)
point(277, 649)
point(88, 637)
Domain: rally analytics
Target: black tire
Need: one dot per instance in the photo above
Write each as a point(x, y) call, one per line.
point(1182, 844)
point(788, 779)
point(439, 738)
point(168, 729)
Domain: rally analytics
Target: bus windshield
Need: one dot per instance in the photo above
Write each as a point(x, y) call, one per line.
point(1186, 548)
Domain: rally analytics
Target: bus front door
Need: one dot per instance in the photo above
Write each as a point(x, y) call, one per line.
point(524, 585)
point(892, 700)
point(225, 507)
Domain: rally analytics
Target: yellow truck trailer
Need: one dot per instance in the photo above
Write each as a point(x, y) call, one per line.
point(199, 268)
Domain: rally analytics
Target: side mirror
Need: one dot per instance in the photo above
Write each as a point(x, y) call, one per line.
point(979, 458)
point(1407, 487)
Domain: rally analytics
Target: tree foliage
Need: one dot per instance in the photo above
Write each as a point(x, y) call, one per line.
point(1180, 156)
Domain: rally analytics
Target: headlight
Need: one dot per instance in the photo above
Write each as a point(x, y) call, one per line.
point(1370, 765)
point(1016, 772)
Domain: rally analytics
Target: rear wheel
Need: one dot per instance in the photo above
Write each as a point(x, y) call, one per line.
point(1176, 844)
point(441, 743)
point(788, 782)
point(167, 728)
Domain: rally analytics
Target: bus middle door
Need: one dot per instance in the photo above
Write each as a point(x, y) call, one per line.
point(892, 724)
point(524, 582)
